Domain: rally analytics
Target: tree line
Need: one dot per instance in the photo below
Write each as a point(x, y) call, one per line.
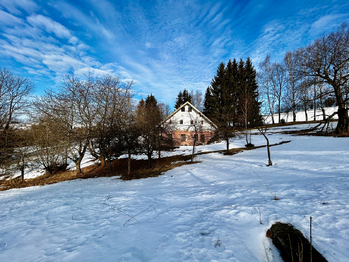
point(97, 115)
point(310, 78)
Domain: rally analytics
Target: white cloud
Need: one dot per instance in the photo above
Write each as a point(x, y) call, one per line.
point(73, 40)
point(14, 6)
point(326, 22)
point(8, 19)
point(49, 25)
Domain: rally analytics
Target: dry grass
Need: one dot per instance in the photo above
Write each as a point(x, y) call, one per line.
point(139, 169)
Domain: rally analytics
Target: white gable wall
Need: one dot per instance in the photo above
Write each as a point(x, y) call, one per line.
point(187, 117)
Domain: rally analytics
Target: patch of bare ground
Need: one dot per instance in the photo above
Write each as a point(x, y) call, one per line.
point(139, 169)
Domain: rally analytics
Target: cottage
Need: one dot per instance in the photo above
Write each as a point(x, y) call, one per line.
point(187, 124)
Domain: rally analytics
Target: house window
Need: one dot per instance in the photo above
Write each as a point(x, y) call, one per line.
point(169, 136)
point(181, 122)
point(202, 122)
point(170, 122)
point(195, 137)
point(192, 122)
point(182, 137)
point(183, 109)
point(189, 109)
point(202, 138)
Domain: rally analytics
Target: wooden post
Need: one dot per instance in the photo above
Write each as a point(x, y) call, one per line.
point(311, 238)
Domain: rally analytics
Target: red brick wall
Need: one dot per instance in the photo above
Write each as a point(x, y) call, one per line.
point(189, 137)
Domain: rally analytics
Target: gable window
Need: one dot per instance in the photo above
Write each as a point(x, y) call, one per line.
point(192, 122)
point(181, 121)
point(189, 109)
point(183, 109)
point(182, 137)
point(202, 122)
point(170, 122)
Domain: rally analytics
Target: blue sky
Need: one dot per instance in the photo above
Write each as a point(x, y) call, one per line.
point(164, 46)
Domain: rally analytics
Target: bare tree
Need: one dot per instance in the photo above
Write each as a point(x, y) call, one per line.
point(197, 99)
point(89, 112)
point(111, 98)
point(292, 92)
point(326, 60)
point(63, 106)
point(48, 143)
point(14, 93)
point(266, 90)
point(149, 119)
point(263, 129)
point(245, 107)
point(196, 126)
point(279, 82)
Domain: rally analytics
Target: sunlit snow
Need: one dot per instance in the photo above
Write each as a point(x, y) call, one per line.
point(208, 211)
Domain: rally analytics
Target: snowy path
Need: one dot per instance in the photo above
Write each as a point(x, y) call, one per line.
point(203, 212)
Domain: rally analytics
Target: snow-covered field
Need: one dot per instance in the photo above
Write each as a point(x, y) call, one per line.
point(300, 115)
point(208, 211)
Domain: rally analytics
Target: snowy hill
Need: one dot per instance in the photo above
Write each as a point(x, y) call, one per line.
point(208, 211)
point(301, 117)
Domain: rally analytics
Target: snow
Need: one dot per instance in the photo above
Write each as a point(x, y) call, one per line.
point(208, 211)
point(37, 170)
point(300, 115)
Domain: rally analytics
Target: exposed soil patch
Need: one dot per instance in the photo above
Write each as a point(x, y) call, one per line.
point(293, 246)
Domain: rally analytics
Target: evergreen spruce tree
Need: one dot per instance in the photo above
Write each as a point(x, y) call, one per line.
point(179, 100)
point(231, 101)
point(182, 98)
point(254, 116)
point(208, 103)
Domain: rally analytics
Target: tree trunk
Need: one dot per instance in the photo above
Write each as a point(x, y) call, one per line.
point(306, 112)
point(268, 150)
point(102, 159)
point(149, 161)
point(227, 140)
point(129, 165)
point(22, 174)
point(192, 155)
point(78, 166)
point(323, 114)
point(343, 119)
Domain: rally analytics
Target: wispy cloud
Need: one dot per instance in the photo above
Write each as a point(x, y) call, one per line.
point(19, 6)
point(49, 25)
point(8, 19)
point(164, 46)
point(330, 21)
